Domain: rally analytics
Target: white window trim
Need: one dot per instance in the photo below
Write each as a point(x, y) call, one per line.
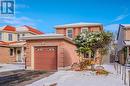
point(84, 28)
point(67, 32)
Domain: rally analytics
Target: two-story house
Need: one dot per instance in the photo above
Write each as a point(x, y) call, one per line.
point(11, 47)
point(123, 44)
point(55, 51)
point(72, 30)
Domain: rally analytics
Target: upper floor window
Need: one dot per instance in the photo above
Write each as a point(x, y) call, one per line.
point(84, 29)
point(18, 37)
point(10, 37)
point(0, 36)
point(70, 33)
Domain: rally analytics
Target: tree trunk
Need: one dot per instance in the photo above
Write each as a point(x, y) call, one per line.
point(101, 58)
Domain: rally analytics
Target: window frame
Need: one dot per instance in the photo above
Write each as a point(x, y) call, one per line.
point(68, 34)
point(83, 28)
point(10, 37)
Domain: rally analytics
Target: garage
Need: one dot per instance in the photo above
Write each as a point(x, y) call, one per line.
point(45, 58)
point(49, 52)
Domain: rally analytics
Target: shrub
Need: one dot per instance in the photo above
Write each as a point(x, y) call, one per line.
point(75, 66)
point(84, 64)
point(102, 72)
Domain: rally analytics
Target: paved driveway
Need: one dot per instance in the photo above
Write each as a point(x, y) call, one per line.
point(10, 67)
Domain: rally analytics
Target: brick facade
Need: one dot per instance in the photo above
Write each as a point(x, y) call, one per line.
point(5, 55)
point(77, 30)
point(66, 54)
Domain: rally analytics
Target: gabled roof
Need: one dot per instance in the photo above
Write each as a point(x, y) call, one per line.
point(9, 28)
point(33, 30)
point(78, 25)
point(47, 36)
point(24, 28)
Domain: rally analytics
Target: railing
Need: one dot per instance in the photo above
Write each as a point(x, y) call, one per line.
point(124, 72)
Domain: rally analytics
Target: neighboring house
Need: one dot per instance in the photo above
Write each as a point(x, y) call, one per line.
point(55, 51)
point(123, 44)
point(11, 47)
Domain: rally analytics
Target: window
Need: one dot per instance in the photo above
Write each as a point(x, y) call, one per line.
point(10, 37)
point(18, 37)
point(70, 33)
point(84, 29)
point(11, 52)
point(0, 36)
point(23, 34)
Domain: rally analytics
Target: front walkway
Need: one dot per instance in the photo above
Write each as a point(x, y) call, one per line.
point(73, 78)
point(11, 67)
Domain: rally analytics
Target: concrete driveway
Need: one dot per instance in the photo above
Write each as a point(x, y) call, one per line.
point(11, 67)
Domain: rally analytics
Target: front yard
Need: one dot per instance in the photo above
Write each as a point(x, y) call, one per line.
point(81, 78)
point(21, 77)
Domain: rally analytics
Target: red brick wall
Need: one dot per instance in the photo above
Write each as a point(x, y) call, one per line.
point(95, 28)
point(70, 55)
point(77, 30)
point(5, 55)
point(61, 31)
point(66, 54)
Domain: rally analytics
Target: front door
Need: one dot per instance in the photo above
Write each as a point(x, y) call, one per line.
point(19, 58)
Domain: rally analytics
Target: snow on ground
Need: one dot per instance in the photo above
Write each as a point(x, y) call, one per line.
point(10, 67)
point(110, 68)
point(73, 78)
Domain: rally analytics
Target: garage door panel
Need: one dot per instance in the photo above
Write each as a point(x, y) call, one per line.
point(45, 62)
point(50, 68)
point(45, 58)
